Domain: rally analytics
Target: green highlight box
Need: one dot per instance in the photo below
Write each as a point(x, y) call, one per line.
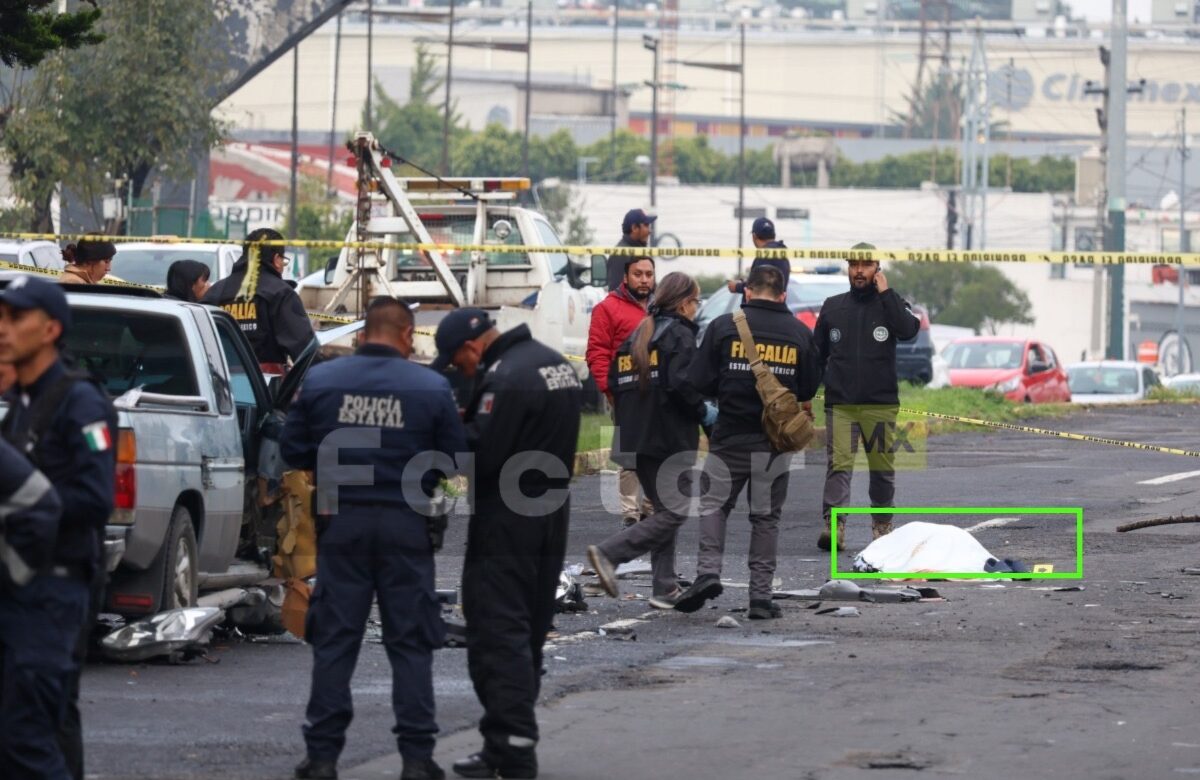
point(1075, 511)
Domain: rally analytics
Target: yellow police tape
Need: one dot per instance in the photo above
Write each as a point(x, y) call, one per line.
point(883, 255)
point(1047, 432)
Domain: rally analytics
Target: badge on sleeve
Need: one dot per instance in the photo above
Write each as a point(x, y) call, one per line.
point(97, 436)
point(486, 403)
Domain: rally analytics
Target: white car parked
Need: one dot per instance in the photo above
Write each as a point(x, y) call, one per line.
point(40, 254)
point(1110, 381)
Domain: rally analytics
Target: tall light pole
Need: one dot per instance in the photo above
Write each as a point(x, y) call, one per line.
point(528, 84)
point(446, 104)
point(612, 143)
point(291, 221)
point(337, 61)
point(739, 68)
point(1114, 233)
point(650, 43)
point(370, 57)
point(1184, 238)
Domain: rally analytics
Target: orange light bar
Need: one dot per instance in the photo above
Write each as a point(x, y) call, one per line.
point(448, 184)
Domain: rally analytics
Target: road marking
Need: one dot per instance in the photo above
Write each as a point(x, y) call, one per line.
point(1170, 478)
point(995, 522)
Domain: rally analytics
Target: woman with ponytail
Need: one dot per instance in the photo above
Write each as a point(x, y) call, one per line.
point(658, 416)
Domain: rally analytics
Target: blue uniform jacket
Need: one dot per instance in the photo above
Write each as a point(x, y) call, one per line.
point(77, 454)
point(29, 511)
point(376, 389)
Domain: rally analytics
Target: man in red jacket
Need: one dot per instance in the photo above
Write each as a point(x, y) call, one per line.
point(613, 320)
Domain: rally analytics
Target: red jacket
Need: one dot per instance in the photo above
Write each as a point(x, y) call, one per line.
point(613, 319)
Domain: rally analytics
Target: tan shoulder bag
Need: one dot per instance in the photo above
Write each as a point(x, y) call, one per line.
point(786, 424)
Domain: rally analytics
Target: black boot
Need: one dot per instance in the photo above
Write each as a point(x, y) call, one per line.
point(316, 769)
point(476, 765)
point(422, 769)
point(764, 609)
point(706, 586)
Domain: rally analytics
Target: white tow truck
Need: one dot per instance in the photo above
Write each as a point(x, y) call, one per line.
point(543, 289)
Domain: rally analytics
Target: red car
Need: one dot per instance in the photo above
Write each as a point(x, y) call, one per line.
point(1019, 369)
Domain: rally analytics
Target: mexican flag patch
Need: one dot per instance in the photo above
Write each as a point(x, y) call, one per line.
point(97, 436)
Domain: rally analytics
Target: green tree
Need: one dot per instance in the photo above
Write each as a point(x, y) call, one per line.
point(141, 103)
point(29, 30)
point(971, 295)
point(625, 170)
point(565, 210)
point(414, 129)
point(493, 152)
point(317, 214)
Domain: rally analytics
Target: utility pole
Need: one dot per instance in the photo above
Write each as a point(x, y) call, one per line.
point(337, 60)
point(528, 84)
point(1184, 238)
point(951, 217)
point(370, 57)
point(651, 43)
point(975, 141)
point(1114, 233)
point(446, 104)
point(741, 236)
point(612, 143)
point(291, 220)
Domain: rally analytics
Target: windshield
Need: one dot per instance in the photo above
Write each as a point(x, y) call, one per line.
point(149, 266)
point(459, 229)
point(989, 355)
point(1102, 380)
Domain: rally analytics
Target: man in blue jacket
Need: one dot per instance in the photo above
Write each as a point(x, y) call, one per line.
point(367, 426)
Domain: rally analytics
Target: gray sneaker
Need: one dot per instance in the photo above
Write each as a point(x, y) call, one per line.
point(604, 570)
point(668, 601)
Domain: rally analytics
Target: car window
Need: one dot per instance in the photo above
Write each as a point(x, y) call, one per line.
point(48, 257)
point(1149, 378)
point(984, 355)
point(239, 372)
point(126, 349)
point(558, 260)
point(1102, 380)
point(149, 266)
point(1036, 355)
point(8, 257)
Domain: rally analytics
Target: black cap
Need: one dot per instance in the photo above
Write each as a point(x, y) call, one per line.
point(636, 217)
point(763, 228)
point(457, 328)
point(31, 292)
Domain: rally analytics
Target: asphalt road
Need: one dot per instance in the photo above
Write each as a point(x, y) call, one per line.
point(1011, 678)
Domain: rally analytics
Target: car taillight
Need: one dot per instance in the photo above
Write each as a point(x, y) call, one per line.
point(125, 497)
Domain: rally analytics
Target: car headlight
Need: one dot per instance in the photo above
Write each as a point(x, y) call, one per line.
point(1008, 385)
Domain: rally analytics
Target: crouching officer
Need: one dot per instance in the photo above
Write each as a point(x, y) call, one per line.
point(370, 426)
point(856, 336)
point(65, 426)
point(35, 650)
point(266, 308)
point(523, 427)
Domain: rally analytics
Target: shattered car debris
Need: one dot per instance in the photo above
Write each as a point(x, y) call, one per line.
point(174, 633)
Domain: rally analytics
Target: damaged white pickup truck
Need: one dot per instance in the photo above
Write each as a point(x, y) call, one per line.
point(197, 426)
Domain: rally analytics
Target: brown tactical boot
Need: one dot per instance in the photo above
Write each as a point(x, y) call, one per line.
point(824, 541)
point(880, 528)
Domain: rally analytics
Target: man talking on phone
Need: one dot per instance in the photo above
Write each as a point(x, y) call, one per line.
point(856, 337)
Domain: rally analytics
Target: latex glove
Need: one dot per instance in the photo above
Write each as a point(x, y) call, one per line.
point(710, 414)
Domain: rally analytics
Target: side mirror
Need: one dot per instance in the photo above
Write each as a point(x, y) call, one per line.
point(330, 269)
point(1037, 368)
point(599, 275)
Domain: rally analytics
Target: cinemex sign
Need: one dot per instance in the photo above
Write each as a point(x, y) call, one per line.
point(1014, 89)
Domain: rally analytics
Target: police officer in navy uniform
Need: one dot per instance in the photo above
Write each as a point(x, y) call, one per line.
point(34, 647)
point(266, 308)
point(366, 425)
point(762, 233)
point(523, 427)
point(856, 335)
point(65, 425)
